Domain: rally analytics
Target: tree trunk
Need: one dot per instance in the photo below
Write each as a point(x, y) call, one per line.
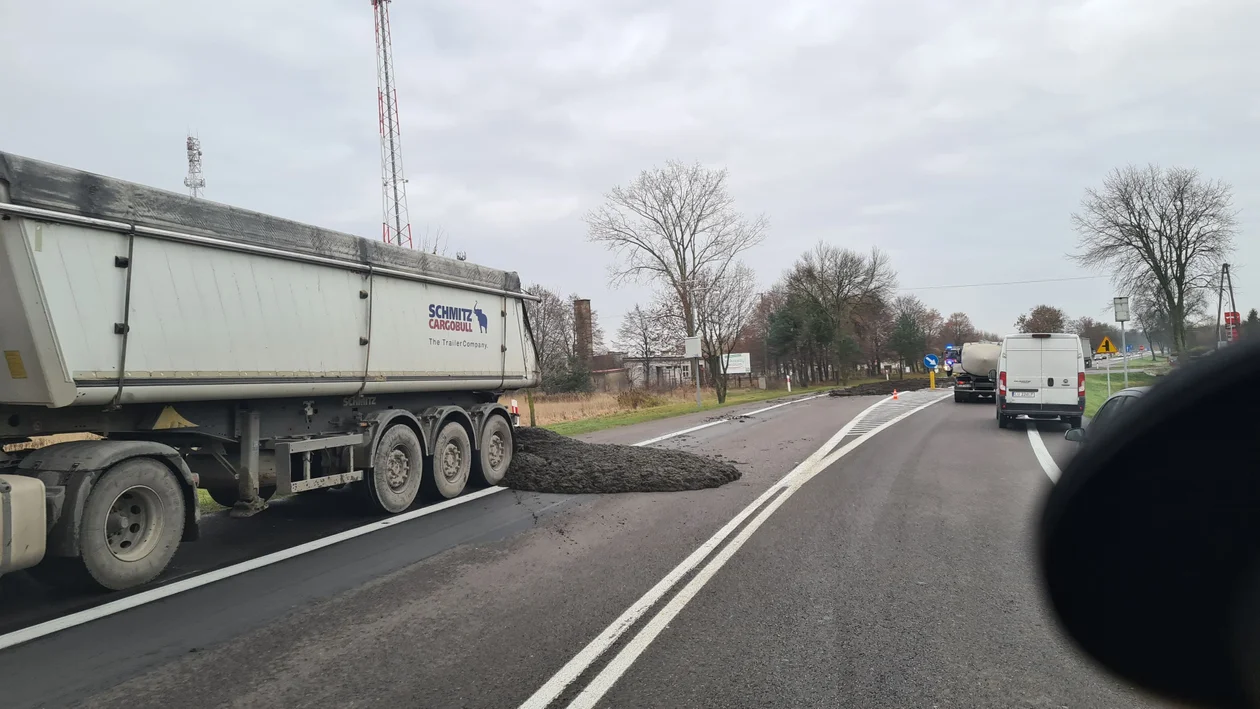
point(1177, 323)
point(718, 377)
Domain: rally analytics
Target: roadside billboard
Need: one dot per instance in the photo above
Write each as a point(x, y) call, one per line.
point(738, 363)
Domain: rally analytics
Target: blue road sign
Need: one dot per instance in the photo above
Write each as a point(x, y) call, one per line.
point(930, 361)
point(1128, 348)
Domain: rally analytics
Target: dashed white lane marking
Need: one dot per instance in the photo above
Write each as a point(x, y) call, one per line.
point(1042, 453)
point(818, 461)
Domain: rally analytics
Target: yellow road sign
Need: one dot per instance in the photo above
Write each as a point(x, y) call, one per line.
point(1105, 347)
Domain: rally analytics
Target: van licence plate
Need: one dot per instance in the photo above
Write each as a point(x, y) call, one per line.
point(1023, 394)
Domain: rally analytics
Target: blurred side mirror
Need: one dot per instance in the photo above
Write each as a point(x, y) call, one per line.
point(1151, 558)
point(1076, 435)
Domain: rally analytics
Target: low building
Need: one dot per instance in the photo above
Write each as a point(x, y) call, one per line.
point(664, 372)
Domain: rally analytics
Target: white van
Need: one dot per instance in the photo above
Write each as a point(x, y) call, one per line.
point(1041, 375)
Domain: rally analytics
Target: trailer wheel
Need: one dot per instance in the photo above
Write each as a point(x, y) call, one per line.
point(452, 462)
point(495, 455)
point(131, 527)
point(397, 466)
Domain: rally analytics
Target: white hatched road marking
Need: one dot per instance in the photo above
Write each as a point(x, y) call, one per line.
point(693, 429)
point(818, 461)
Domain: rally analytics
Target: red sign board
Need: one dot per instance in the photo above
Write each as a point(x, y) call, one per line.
point(1233, 318)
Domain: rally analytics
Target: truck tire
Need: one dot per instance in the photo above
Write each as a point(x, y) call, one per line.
point(397, 467)
point(958, 398)
point(132, 524)
point(495, 455)
point(452, 463)
point(227, 496)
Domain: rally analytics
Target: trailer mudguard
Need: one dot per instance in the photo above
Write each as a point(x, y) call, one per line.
point(76, 465)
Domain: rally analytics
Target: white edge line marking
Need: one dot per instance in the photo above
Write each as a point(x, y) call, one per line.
point(1042, 453)
point(596, 647)
point(792, 482)
point(667, 436)
point(55, 625)
point(18, 637)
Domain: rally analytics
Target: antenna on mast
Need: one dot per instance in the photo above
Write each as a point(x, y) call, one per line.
point(396, 225)
point(195, 181)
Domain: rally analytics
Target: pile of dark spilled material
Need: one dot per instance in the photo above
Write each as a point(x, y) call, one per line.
point(549, 462)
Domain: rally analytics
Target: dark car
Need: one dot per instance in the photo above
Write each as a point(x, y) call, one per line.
point(1108, 412)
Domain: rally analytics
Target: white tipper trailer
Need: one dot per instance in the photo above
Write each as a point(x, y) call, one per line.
point(214, 347)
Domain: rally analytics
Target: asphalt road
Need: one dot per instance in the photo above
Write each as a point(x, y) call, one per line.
point(899, 575)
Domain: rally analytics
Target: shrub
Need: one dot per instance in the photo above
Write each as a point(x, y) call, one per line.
point(637, 398)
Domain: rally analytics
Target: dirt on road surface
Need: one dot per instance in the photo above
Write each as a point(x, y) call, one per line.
point(887, 387)
point(550, 462)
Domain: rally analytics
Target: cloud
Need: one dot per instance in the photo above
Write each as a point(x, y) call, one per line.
point(957, 135)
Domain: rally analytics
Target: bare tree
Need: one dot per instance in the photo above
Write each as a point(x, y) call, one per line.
point(551, 320)
point(958, 328)
point(725, 306)
point(873, 327)
point(1042, 318)
point(644, 333)
point(675, 225)
point(436, 242)
point(1163, 230)
point(842, 283)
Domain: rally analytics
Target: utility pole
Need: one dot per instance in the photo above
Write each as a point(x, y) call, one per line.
point(396, 224)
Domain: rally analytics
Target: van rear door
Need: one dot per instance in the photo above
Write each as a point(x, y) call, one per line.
point(1023, 370)
point(1060, 365)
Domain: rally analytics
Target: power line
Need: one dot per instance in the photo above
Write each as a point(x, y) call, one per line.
point(1006, 283)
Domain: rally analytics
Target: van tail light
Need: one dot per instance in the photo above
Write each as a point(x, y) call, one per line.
point(1002, 383)
point(1080, 384)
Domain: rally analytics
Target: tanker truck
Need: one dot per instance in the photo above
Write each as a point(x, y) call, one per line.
point(187, 344)
point(973, 375)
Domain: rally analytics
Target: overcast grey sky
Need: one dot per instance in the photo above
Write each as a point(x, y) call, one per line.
point(958, 136)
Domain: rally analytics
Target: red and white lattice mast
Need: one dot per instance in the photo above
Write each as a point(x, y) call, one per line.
point(396, 225)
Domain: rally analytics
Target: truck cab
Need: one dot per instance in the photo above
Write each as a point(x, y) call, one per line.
point(1041, 375)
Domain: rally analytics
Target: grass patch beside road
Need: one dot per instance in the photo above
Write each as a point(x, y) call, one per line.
point(1096, 386)
point(597, 412)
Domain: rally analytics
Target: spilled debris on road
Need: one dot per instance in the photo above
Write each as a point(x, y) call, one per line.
point(549, 462)
point(886, 387)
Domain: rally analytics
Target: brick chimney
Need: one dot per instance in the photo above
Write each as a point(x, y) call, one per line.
point(582, 330)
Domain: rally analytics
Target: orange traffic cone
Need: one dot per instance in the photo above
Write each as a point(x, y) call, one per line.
point(894, 395)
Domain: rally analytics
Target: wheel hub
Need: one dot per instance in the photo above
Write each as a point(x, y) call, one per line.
point(134, 524)
point(397, 469)
point(452, 462)
point(496, 450)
